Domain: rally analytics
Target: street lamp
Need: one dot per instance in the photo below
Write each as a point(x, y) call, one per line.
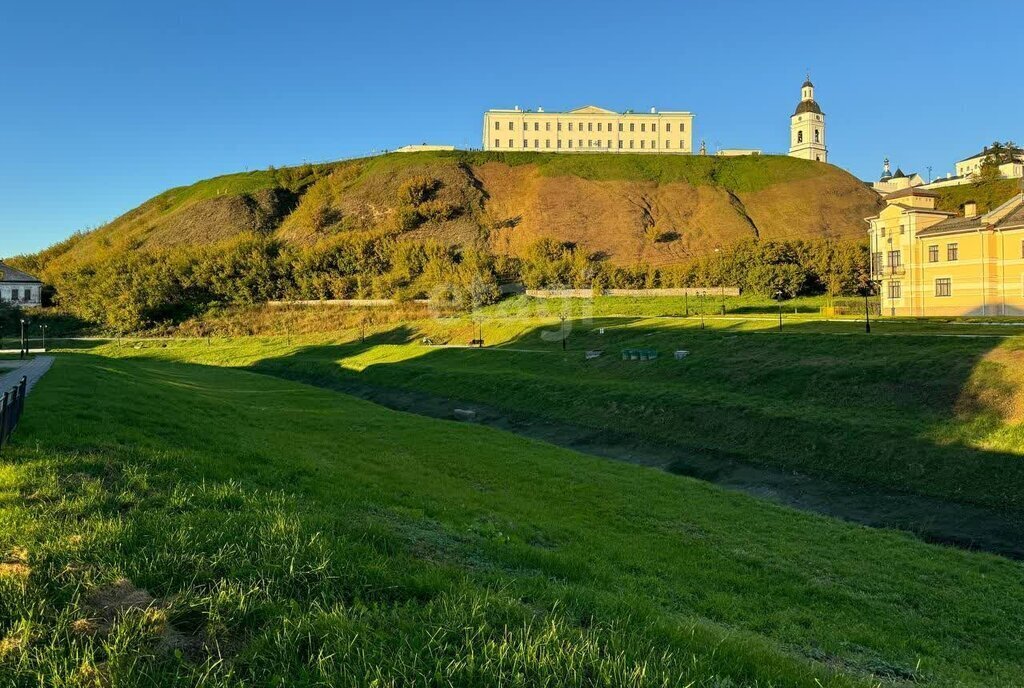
point(867, 309)
point(702, 309)
point(24, 349)
point(43, 328)
point(778, 295)
point(562, 318)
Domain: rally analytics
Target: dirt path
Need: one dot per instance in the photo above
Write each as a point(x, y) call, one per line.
point(929, 518)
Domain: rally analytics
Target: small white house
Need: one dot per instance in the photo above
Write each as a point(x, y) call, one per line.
point(19, 288)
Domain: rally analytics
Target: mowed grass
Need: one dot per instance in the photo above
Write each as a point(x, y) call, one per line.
point(166, 523)
point(908, 408)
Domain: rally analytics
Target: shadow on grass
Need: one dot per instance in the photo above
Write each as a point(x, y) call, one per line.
point(857, 427)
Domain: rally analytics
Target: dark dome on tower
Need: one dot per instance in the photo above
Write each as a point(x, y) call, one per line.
point(808, 106)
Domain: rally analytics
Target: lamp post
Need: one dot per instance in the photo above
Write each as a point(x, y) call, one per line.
point(868, 291)
point(562, 318)
point(43, 328)
point(702, 310)
point(24, 350)
point(778, 295)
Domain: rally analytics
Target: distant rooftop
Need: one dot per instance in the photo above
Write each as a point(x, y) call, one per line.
point(9, 274)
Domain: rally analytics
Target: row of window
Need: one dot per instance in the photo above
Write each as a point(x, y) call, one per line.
point(17, 295)
point(590, 126)
point(591, 143)
point(817, 139)
point(896, 257)
point(943, 287)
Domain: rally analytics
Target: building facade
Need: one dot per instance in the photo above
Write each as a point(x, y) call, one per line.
point(588, 129)
point(807, 127)
point(930, 262)
point(19, 288)
point(891, 182)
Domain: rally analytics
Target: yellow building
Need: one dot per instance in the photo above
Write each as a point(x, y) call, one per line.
point(930, 262)
point(588, 129)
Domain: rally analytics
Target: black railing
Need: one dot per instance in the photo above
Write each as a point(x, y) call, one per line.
point(11, 407)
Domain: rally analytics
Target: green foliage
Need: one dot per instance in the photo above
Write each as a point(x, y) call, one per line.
point(987, 193)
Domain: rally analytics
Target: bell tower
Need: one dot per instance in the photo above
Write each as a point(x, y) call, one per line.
point(807, 127)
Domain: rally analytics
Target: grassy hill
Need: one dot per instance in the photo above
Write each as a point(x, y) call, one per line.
point(185, 524)
point(633, 208)
point(987, 194)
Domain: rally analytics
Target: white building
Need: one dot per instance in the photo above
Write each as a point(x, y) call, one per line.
point(807, 127)
point(588, 129)
point(891, 182)
point(19, 288)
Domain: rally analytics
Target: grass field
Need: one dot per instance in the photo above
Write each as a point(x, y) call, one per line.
point(167, 523)
point(925, 407)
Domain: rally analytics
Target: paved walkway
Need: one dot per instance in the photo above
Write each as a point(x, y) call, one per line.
point(33, 370)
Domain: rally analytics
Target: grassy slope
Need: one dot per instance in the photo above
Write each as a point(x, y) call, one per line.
point(413, 551)
point(364, 189)
point(988, 195)
point(930, 415)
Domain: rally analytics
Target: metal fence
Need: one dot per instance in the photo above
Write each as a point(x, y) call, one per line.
point(11, 408)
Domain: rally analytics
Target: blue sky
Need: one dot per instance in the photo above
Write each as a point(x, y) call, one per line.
point(104, 104)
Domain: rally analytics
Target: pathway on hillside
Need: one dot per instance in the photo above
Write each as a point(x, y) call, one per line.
point(33, 370)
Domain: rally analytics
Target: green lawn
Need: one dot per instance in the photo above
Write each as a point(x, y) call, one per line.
point(167, 523)
point(901, 409)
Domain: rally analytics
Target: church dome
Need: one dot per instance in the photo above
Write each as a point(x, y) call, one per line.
point(807, 84)
point(807, 106)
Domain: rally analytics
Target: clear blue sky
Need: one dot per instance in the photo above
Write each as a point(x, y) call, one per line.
point(104, 104)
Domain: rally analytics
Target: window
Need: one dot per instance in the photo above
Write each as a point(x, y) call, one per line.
point(895, 290)
point(590, 143)
point(497, 143)
point(1022, 249)
point(599, 126)
point(943, 286)
point(952, 252)
point(620, 143)
point(654, 144)
point(547, 143)
point(497, 126)
point(536, 143)
point(558, 143)
point(28, 295)
point(894, 259)
point(643, 126)
point(933, 254)
point(876, 262)
point(526, 144)
point(668, 126)
point(580, 143)
point(559, 126)
point(631, 143)
point(817, 136)
point(642, 142)
point(668, 144)
point(654, 126)
point(547, 126)
point(883, 231)
point(609, 143)
point(570, 143)
point(511, 126)
point(903, 229)
point(682, 127)
point(682, 144)
point(590, 126)
point(799, 137)
point(570, 126)
point(511, 144)
point(14, 296)
point(632, 126)
point(620, 126)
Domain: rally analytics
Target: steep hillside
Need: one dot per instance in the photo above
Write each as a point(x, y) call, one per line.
point(632, 208)
point(987, 194)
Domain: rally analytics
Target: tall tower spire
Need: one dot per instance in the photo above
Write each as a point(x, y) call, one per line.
point(807, 127)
